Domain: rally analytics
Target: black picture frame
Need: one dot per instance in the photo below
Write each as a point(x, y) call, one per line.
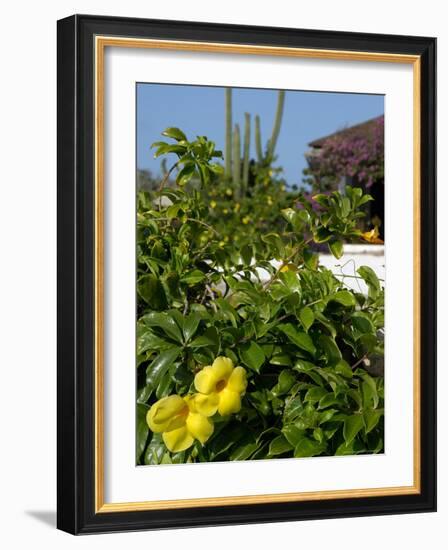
point(76, 286)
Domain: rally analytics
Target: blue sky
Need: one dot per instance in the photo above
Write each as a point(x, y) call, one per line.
point(199, 110)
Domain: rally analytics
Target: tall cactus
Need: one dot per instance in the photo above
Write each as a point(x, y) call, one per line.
point(258, 145)
point(246, 152)
point(236, 156)
point(277, 123)
point(228, 149)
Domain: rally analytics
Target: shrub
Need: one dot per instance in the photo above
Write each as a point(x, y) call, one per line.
point(217, 316)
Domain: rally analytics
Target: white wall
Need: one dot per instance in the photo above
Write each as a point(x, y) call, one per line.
point(28, 271)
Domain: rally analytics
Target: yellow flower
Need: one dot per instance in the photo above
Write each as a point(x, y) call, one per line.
point(179, 421)
point(225, 211)
point(229, 192)
point(213, 204)
point(220, 387)
point(246, 220)
point(289, 267)
point(372, 236)
point(237, 207)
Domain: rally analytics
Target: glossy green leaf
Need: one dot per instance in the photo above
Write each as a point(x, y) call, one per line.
point(160, 365)
point(362, 322)
point(190, 326)
point(352, 425)
point(253, 356)
point(174, 133)
point(164, 322)
point(142, 430)
point(306, 317)
point(185, 174)
point(299, 338)
point(330, 349)
point(371, 280)
point(279, 445)
point(308, 447)
point(336, 248)
point(150, 288)
point(344, 297)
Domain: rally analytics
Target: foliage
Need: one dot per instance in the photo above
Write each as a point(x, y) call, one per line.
point(303, 339)
point(348, 155)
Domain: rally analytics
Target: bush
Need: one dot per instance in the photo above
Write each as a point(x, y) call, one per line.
point(239, 359)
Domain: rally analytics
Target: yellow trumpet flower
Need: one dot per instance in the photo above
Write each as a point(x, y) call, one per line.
point(179, 421)
point(220, 388)
point(372, 236)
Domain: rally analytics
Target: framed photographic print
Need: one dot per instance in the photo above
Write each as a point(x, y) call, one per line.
point(246, 274)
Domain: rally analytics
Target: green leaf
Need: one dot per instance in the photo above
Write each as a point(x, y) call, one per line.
point(326, 323)
point(279, 445)
point(371, 280)
point(151, 290)
point(253, 356)
point(291, 280)
point(336, 248)
point(343, 297)
point(147, 340)
point(352, 425)
point(343, 368)
point(165, 385)
point(243, 452)
point(361, 321)
point(293, 407)
point(226, 438)
point(321, 199)
point(163, 321)
point(174, 133)
point(193, 277)
point(259, 400)
point(313, 395)
point(311, 260)
point(160, 365)
point(322, 235)
point(286, 380)
point(185, 175)
point(290, 215)
point(142, 430)
point(210, 338)
point(300, 339)
point(306, 317)
point(155, 450)
point(345, 207)
point(369, 392)
point(330, 349)
point(293, 434)
point(371, 419)
point(190, 326)
point(308, 447)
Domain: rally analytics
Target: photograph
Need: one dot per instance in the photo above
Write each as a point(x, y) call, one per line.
point(260, 274)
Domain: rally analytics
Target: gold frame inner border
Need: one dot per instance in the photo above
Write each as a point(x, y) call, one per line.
point(101, 43)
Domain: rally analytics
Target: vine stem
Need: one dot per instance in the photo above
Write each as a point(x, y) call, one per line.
point(163, 182)
point(359, 361)
point(284, 264)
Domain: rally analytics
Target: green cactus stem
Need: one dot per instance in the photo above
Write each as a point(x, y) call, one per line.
point(258, 145)
point(246, 150)
point(236, 156)
point(277, 124)
point(228, 149)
